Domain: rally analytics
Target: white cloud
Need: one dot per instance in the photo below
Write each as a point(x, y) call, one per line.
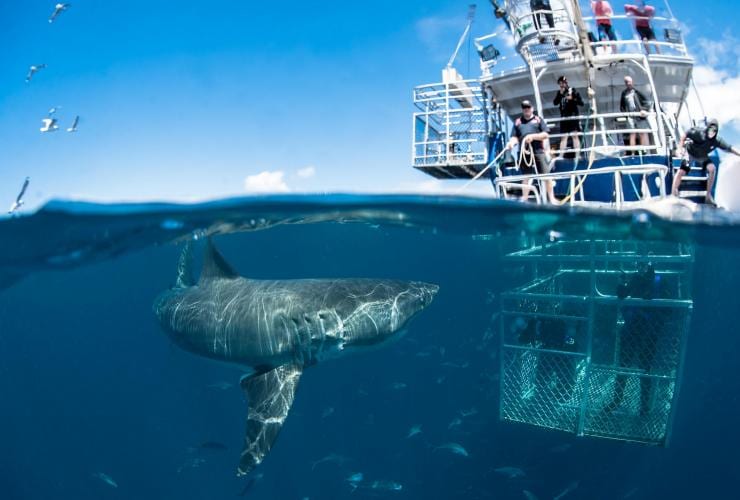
point(307, 172)
point(266, 182)
point(719, 95)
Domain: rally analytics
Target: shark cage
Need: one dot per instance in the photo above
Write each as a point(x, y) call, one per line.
point(593, 343)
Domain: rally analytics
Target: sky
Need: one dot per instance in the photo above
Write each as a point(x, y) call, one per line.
point(188, 101)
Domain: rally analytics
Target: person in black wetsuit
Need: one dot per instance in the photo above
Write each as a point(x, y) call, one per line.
point(699, 143)
point(640, 333)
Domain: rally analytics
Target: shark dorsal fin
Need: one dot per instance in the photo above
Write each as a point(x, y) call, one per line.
point(185, 267)
point(215, 266)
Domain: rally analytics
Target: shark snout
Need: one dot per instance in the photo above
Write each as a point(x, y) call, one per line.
point(418, 296)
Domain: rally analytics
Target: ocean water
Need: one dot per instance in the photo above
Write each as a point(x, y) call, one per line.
point(94, 393)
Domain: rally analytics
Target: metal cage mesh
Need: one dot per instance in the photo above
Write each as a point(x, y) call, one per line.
point(593, 345)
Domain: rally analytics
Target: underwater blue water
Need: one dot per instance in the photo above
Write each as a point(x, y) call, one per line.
point(91, 385)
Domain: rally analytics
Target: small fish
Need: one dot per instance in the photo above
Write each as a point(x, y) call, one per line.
point(355, 479)
point(469, 413)
point(510, 472)
point(397, 386)
point(106, 479)
point(331, 458)
point(571, 487)
point(529, 495)
point(561, 448)
point(454, 448)
point(384, 485)
point(222, 386)
point(213, 446)
point(415, 429)
point(441, 379)
point(456, 422)
point(58, 9)
point(327, 412)
point(193, 463)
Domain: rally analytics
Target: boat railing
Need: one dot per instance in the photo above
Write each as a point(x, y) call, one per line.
point(541, 48)
point(576, 178)
point(668, 43)
point(604, 132)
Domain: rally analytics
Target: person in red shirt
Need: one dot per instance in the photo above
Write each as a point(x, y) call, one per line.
point(603, 13)
point(642, 14)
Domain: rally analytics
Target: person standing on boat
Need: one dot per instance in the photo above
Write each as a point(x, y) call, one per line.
point(699, 143)
point(642, 14)
point(538, 6)
point(603, 13)
point(568, 99)
point(633, 101)
point(531, 133)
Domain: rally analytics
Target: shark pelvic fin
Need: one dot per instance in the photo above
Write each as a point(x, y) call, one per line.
point(185, 267)
point(215, 266)
point(269, 398)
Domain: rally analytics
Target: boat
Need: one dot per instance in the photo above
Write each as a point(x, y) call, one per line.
point(593, 336)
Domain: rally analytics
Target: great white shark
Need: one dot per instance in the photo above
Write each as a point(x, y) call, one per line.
point(274, 329)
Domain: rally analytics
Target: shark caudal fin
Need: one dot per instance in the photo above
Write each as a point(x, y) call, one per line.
point(185, 267)
point(269, 398)
point(215, 266)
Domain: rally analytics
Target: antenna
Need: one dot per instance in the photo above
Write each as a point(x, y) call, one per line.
point(471, 16)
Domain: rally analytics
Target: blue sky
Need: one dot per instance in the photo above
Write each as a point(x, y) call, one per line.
point(186, 100)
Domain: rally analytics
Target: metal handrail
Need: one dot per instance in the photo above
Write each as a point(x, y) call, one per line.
point(520, 181)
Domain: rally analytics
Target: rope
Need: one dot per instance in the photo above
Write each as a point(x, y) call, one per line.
point(479, 174)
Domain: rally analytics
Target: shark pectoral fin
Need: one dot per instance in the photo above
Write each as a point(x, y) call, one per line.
point(269, 398)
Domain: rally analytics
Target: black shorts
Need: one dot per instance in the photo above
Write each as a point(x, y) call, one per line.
point(541, 160)
point(699, 162)
point(645, 32)
point(568, 126)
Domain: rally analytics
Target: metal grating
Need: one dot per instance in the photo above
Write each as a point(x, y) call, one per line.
point(594, 346)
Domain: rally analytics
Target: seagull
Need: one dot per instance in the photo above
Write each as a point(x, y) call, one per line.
point(53, 110)
point(33, 69)
point(58, 8)
point(73, 128)
point(19, 200)
point(50, 125)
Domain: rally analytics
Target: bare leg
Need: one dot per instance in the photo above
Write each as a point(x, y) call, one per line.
point(563, 145)
point(577, 145)
point(525, 190)
point(677, 182)
point(633, 138)
point(644, 141)
point(711, 174)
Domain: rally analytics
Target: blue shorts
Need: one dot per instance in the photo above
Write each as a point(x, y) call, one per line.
point(606, 31)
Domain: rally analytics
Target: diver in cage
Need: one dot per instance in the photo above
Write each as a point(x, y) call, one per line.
point(640, 333)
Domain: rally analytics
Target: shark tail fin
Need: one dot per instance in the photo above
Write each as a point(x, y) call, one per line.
point(269, 398)
point(185, 267)
point(215, 266)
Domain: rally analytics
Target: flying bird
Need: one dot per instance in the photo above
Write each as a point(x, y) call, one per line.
point(19, 199)
point(50, 125)
point(73, 128)
point(32, 70)
point(58, 8)
point(53, 110)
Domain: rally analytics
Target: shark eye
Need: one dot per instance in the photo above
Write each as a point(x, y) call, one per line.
point(323, 316)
